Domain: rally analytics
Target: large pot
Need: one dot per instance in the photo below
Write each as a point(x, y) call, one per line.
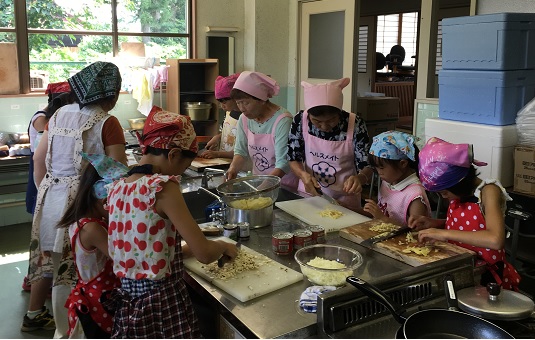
point(434, 323)
point(261, 189)
point(197, 110)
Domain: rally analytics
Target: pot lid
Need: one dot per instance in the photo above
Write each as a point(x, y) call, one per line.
point(508, 305)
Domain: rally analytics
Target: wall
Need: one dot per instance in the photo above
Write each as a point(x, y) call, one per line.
point(16, 112)
point(500, 6)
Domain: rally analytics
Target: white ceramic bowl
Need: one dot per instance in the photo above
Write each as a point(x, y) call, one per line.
point(315, 261)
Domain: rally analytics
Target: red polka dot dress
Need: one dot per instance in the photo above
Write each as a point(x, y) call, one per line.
point(95, 276)
point(467, 216)
point(153, 301)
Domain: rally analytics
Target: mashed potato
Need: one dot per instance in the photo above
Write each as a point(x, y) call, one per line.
point(251, 203)
point(325, 278)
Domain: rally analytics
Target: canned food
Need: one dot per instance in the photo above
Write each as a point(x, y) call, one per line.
point(318, 233)
point(282, 243)
point(231, 231)
point(302, 238)
point(243, 231)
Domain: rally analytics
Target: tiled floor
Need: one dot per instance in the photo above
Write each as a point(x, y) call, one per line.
point(14, 241)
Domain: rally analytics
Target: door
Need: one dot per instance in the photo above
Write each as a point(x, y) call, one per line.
point(366, 55)
point(326, 44)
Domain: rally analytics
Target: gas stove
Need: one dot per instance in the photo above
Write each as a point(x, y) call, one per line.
point(347, 313)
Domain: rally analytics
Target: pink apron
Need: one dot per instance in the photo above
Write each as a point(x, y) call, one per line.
point(261, 148)
point(331, 163)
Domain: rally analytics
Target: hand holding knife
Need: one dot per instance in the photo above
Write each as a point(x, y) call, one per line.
point(327, 197)
point(225, 258)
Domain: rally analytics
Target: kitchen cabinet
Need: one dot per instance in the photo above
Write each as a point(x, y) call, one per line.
point(192, 80)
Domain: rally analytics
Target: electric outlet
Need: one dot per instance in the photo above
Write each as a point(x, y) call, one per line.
point(15, 107)
point(127, 102)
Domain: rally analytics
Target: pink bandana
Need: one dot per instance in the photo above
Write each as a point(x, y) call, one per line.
point(168, 130)
point(257, 84)
point(324, 94)
point(223, 85)
point(442, 164)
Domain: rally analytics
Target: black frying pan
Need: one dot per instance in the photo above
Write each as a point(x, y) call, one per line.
point(435, 323)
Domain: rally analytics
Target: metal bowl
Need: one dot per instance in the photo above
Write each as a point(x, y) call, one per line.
point(197, 110)
point(311, 259)
point(251, 191)
point(137, 123)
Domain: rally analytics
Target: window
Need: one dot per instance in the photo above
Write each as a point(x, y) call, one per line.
point(63, 36)
point(398, 29)
point(363, 49)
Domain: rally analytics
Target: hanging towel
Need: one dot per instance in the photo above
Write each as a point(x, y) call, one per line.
point(142, 91)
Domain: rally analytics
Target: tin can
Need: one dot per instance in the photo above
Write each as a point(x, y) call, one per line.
point(243, 231)
point(318, 233)
point(302, 238)
point(282, 243)
point(231, 231)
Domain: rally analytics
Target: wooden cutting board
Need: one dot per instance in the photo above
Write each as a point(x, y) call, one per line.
point(394, 249)
point(308, 210)
point(199, 163)
point(248, 285)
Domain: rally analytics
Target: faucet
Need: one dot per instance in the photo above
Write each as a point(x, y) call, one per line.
point(208, 174)
point(220, 215)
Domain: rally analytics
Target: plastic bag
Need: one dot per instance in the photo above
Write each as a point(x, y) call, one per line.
point(525, 124)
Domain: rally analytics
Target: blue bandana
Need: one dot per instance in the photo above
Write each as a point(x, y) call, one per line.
point(107, 168)
point(394, 145)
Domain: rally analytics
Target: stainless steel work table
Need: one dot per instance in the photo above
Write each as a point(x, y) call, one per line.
point(277, 314)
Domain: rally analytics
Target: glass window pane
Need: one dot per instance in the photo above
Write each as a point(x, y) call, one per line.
point(163, 16)
point(7, 37)
point(90, 15)
point(158, 47)
point(57, 57)
point(7, 14)
point(326, 45)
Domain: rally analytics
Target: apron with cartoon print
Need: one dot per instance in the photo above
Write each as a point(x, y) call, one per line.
point(331, 163)
point(261, 148)
point(57, 188)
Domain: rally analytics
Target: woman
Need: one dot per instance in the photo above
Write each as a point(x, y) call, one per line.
point(83, 126)
point(262, 129)
point(328, 147)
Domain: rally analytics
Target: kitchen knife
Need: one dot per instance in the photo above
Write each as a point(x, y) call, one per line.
point(327, 197)
point(382, 237)
point(224, 258)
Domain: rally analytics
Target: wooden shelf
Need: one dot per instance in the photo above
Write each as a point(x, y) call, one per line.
point(194, 80)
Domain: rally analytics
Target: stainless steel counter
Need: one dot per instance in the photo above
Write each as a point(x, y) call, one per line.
point(277, 314)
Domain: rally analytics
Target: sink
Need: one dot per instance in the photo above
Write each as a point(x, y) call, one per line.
point(197, 202)
point(190, 183)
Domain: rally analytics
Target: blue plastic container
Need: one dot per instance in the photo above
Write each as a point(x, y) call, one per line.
point(501, 41)
point(485, 97)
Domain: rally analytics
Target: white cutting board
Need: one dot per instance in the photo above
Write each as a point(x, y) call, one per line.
point(308, 210)
point(248, 285)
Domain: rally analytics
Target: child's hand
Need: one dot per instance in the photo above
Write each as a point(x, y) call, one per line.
point(372, 208)
point(210, 154)
point(231, 251)
point(213, 143)
point(432, 235)
point(421, 222)
point(231, 174)
point(352, 185)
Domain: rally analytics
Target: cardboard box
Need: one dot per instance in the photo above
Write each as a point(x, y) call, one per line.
point(378, 108)
point(9, 69)
point(525, 170)
point(375, 128)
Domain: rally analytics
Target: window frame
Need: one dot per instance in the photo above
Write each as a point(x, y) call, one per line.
point(21, 32)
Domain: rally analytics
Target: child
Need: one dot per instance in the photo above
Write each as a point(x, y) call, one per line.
point(87, 221)
point(222, 145)
point(148, 220)
point(476, 211)
point(401, 195)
